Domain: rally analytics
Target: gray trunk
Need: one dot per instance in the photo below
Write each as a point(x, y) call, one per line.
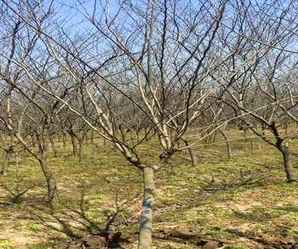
point(145, 233)
point(53, 146)
point(74, 145)
point(51, 182)
point(5, 163)
point(286, 162)
point(80, 150)
point(64, 137)
point(228, 146)
point(193, 157)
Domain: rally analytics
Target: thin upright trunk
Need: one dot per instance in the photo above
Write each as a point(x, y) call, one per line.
point(7, 157)
point(145, 233)
point(286, 129)
point(213, 137)
point(228, 146)
point(80, 149)
point(5, 164)
point(51, 182)
point(8, 151)
point(64, 137)
point(74, 145)
point(92, 137)
point(33, 141)
point(53, 146)
point(193, 157)
point(138, 134)
point(286, 163)
point(251, 146)
point(283, 148)
point(43, 162)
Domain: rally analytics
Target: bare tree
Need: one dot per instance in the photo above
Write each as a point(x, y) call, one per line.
point(156, 55)
point(259, 72)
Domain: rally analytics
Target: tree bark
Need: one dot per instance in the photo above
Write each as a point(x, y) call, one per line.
point(228, 146)
point(80, 149)
point(7, 157)
point(74, 145)
point(286, 163)
point(5, 164)
point(53, 146)
point(33, 141)
point(145, 232)
point(92, 137)
point(193, 157)
point(251, 146)
point(51, 182)
point(64, 140)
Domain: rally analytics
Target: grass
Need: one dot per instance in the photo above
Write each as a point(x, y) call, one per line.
point(243, 202)
point(6, 244)
point(235, 247)
point(43, 245)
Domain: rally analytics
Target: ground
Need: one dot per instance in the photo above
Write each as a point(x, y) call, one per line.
point(242, 202)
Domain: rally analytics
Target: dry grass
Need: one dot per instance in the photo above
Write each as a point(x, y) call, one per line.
point(243, 202)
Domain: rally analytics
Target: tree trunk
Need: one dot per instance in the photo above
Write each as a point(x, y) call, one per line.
point(245, 131)
point(74, 145)
point(53, 146)
point(51, 182)
point(286, 129)
point(5, 163)
point(92, 137)
point(7, 157)
point(33, 141)
point(80, 149)
point(213, 137)
point(145, 232)
point(193, 157)
point(251, 146)
point(286, 163)
point(228, 146)
point(64, 140)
